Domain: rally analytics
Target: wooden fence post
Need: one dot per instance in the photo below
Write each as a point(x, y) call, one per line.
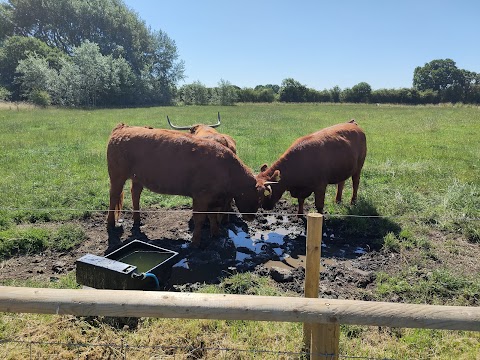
point(320, 339)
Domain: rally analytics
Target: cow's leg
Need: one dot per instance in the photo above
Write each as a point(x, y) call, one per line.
point(136, 191)
point(116, 200)
point(356, 183)
point(338, 198)
point(227, 208)
point(301, 201)
point(199, 217)
point(214, 220)
point(320, 197)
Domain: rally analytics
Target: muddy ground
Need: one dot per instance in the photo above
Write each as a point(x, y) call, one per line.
point(273, 245)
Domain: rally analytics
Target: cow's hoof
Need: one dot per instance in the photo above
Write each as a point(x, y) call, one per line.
point(114, 228)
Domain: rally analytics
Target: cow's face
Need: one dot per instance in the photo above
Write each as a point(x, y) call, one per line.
point(271, 193)
point(250, 200)
point(267, 195)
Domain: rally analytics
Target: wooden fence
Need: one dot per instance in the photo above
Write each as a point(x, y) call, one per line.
point(321, 316)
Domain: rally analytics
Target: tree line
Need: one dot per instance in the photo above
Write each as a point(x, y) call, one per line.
point(84, 53)
point(438, 81)
point(100, 53)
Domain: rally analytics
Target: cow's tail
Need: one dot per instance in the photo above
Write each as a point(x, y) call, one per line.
point(118, 207)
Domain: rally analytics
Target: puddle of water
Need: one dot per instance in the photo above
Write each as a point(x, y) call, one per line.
point(360, 251)
point(241, 257)
point(282, 246)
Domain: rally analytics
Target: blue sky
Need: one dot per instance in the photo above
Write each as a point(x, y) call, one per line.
point(318, 43)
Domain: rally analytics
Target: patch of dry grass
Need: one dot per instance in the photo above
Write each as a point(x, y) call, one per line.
point(16, 106)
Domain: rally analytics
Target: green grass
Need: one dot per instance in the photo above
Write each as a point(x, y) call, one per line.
point(205, 338)
point(422, 162)
point(421, 174)
point(440, 286)
point(28, 240)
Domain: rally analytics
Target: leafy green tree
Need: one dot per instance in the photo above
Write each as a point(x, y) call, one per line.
point(361, 92)
point(318, 96)
point(93, 72)
point(6, 23)
point(4, 94)
point(35, 75)
point(429, 97)
point(40, 98)
point(274, 88)
point(88, 78)
point(248, 94)
point(118, 32)
point(438, 75)
point(347, 95)
point(122, 82)
point(95, 79)
point(335, 93)
point(195, 93)
point(225, 94)
point(259, 94)
point(444, 77)
point(66, 24)
point(266, 95)
point(164, 69)
point(65, 90)
point(292, 91)
point(16, 48)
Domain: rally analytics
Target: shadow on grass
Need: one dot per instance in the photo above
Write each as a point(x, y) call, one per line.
point(362, 221)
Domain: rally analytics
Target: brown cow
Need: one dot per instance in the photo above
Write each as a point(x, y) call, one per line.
point(328, 156)
point(209, 132)
point(177, 163)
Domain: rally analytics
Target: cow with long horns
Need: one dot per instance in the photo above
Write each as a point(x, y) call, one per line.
point(329, 156)
point(178, 163)
point(208, 132)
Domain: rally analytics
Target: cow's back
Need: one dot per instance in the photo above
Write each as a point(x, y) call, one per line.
point(167, 161)
point(207, 132)
point(330, 155)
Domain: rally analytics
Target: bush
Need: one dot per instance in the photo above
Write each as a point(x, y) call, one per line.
point(40, 98)
point(4, 94)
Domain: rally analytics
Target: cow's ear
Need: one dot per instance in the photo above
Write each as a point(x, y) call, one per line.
point(264, 167)
point(276, 175)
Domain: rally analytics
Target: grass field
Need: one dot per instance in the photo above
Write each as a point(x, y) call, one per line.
point(422, 171)
point(422, 163)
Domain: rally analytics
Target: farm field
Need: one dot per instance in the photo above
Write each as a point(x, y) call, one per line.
point(413, 237)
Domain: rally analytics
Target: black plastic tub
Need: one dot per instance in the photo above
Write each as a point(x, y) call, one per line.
point(134, 266)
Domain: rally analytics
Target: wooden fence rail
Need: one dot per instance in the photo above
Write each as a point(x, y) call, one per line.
point(131, 303)
point(321, 317)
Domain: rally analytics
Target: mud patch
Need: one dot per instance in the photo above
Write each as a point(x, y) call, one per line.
point(271, 245)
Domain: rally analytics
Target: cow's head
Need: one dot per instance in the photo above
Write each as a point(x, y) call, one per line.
point(250, 200)
point(273, 193)
point(202, 130)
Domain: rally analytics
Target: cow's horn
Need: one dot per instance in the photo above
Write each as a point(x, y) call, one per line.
point(270, 182)
point(177, 127)
point(218, 123)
